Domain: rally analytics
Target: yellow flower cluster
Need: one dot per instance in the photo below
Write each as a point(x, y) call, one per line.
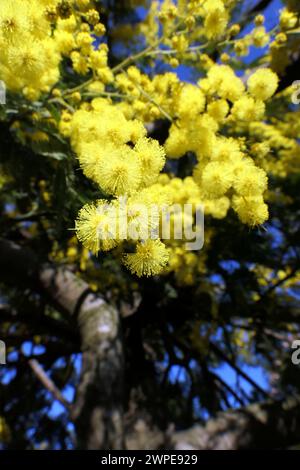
point(29, 58)
point(184, 23)
point(36, 34)
point(117, 155)
point(183, 193)
point(72, 253)
point(206, 18)
point(221, 122)
point(271, 140)
point(225, 172)
point(147, 99)
point(284, 45)
point(114, 151)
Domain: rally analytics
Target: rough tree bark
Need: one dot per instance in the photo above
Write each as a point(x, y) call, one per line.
point(97, 411)
point(271, 424)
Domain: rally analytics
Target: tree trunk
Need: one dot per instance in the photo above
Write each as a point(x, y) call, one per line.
point(98, 410)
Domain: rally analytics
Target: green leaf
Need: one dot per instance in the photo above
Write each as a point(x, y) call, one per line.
point(54, 112)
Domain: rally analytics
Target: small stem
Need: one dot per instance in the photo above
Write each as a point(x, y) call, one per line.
point(79, 87)
point(63, 103)
point(131, 58)
point(151, 100)
point(145, 52)
point(108, 94)
point(47, 382)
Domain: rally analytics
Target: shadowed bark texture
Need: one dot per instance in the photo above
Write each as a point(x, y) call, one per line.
point(97, 411)
point(98, 407)
point(267, 425)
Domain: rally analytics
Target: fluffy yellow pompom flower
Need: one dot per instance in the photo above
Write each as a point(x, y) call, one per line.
point(226, 150)
point(263, 84)
point(152, 159)
point(288, 19)
point(214, 180)
point(65, 41)
point(98, 59)
point(84, 40)
point(27, 60)
point(248, 109)
point(191, 101)
point(90, 155)
point(96, 226)
point(251, 181)
point(106, 124)
point(79, 62)
point(13, 21)
point(222, 80)
point(136, 130)
point(143, 217)
point(119, 172)
point(176, 144)
point(216, 18)
point(29, 57)
point(251, 210)
point(197, 135)
point(218, 208)
point(260, 149)
point(260, 37)
point(218, 110)
point(150, 258)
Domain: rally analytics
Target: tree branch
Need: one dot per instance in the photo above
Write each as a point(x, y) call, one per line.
point(47, 383)
point(229, 361)
point(270, 424)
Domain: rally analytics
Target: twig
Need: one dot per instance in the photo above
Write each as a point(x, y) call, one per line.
point(48, 384)
point(240, 372)
point(62, 102)
point(228, 388)
point(151, 100)
point(278, 284)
